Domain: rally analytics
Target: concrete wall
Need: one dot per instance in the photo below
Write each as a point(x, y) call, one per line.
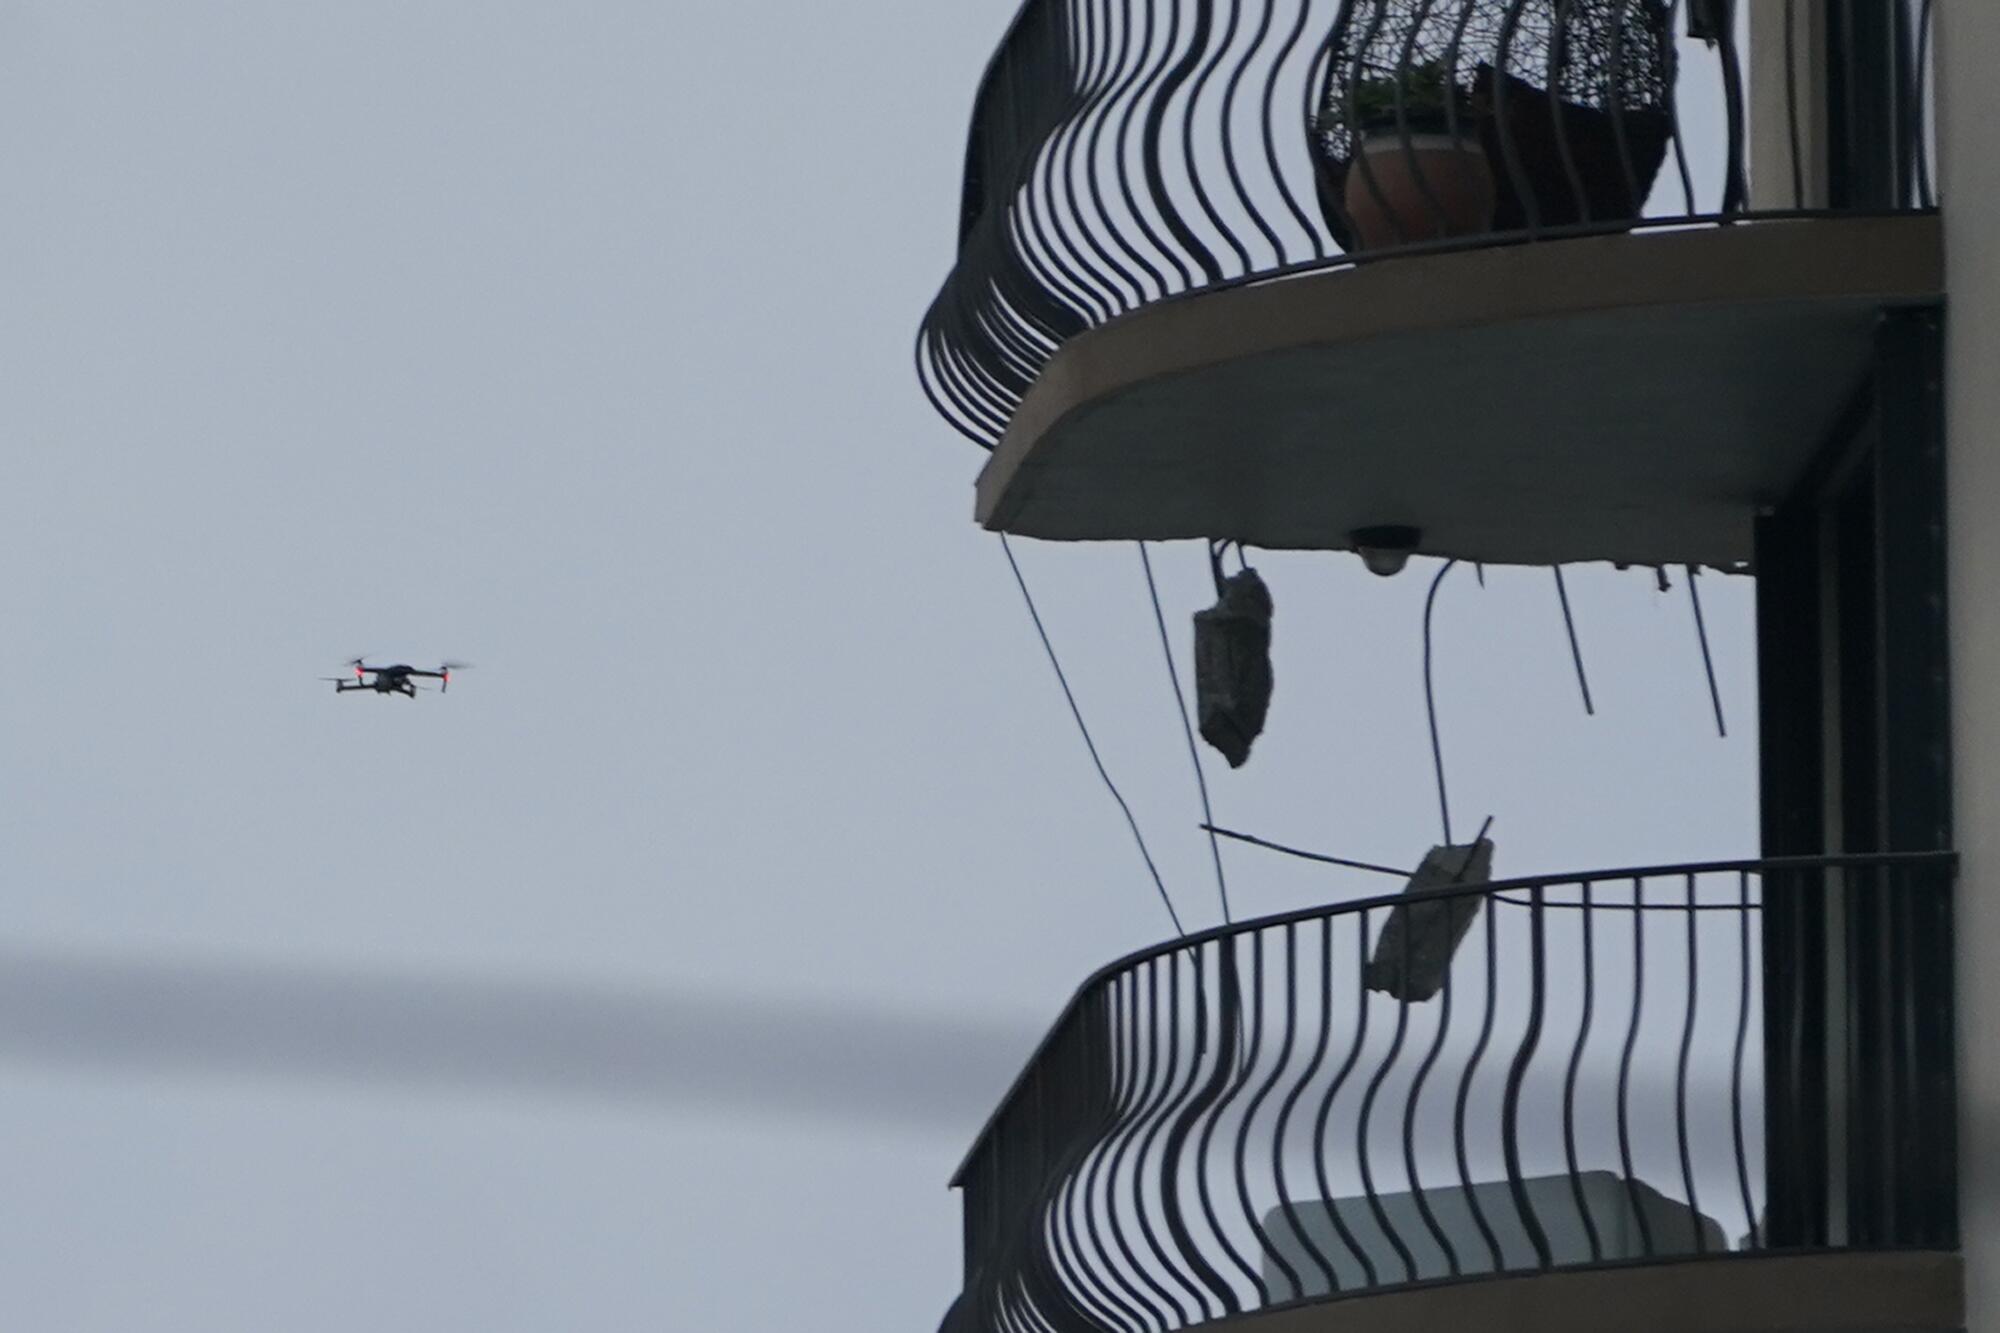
point(1968, 50)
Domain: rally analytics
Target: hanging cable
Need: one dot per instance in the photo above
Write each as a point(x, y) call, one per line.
point(1303, 855)
point(1707, 659)
point(1430, 702)
point(1575, 652)
point(1472, 850)
point(1217, 548)
point(1187, 729)
point(1088, 743)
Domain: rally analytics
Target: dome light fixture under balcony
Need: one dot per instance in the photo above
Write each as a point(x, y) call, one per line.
point(1386, 549)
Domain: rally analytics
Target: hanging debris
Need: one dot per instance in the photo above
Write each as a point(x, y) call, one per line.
point(1414, 950)
point(1232, 665)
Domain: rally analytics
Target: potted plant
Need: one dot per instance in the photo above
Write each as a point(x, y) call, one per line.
point(1572, 116)
point(1419, 171)
point(1574, 161)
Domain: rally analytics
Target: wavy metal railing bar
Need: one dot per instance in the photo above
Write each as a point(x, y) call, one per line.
point(1111, 164)
point(1269, 121)
point(1458, 1119)
point(1410, 1166)
point(1193, 1113)
point(1272, 1254)
point(1917, 131)
point(1411, 162)
point(1320, 1136)
point(1131, 1272)
point(1362, 1156)
point(1795, 154)
point(1681, 1072)
point(1510, 146)
point(1069, 1258)
point(1123, 78)
point(1218, 47)
point(1128, 291)
point(1232, 1075)
point(1141, 100)
point(1096, 1197)
point(1625, 1060)
point(1510, 1136)
point(1736, 1066)
point(1615, 101)
point(1736, 180)
point(1063, 245)
point(1197, 1310)
point(1229, 92)
point(1291, 1101)
point(1569, 1078)
point(1552, 82)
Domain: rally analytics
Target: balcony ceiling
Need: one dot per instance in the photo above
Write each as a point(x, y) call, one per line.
point(1634, 397)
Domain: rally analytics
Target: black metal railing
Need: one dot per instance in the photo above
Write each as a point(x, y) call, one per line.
point(1511, 1077)
point(1123, 152)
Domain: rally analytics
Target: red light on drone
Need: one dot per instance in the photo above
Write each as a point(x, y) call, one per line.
point(357, 673)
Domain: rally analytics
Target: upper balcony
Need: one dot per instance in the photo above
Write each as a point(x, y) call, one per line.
point(1542, 279)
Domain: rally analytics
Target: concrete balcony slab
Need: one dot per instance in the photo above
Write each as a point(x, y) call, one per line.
point(1633, 397)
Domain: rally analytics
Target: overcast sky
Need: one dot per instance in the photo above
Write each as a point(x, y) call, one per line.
point(658, 974)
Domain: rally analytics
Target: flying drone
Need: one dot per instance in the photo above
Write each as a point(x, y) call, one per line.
point(398, 679)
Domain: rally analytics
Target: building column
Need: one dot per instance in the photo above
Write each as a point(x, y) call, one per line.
point(1968, 43)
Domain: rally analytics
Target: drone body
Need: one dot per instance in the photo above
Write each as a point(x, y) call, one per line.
point(399, 679)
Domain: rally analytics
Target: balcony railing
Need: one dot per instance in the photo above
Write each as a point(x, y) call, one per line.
point(1519, 1077)
point(1124, 152)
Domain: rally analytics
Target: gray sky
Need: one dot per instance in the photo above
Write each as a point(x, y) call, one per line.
point(661, 973)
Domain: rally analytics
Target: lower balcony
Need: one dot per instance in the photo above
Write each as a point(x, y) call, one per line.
point(1711, 1096)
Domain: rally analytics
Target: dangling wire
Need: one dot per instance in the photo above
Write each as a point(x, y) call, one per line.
point(1215, 550)
point(1707, 660)
point(1472, 850)
point(1187, 727)
point(1342, 861)
point(1088, 743)
point(1430, 702)
point(1575, 652)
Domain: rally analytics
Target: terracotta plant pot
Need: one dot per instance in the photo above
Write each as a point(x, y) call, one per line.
point(1405, 188)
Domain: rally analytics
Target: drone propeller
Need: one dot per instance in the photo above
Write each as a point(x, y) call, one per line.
point(444, 672)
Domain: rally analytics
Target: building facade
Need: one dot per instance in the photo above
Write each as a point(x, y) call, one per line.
point(1703, 286)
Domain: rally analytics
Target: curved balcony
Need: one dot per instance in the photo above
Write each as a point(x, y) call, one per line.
point(1533, 1103)
point(1500, 270)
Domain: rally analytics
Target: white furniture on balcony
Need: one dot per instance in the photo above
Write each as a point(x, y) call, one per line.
point(1626, 1214)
